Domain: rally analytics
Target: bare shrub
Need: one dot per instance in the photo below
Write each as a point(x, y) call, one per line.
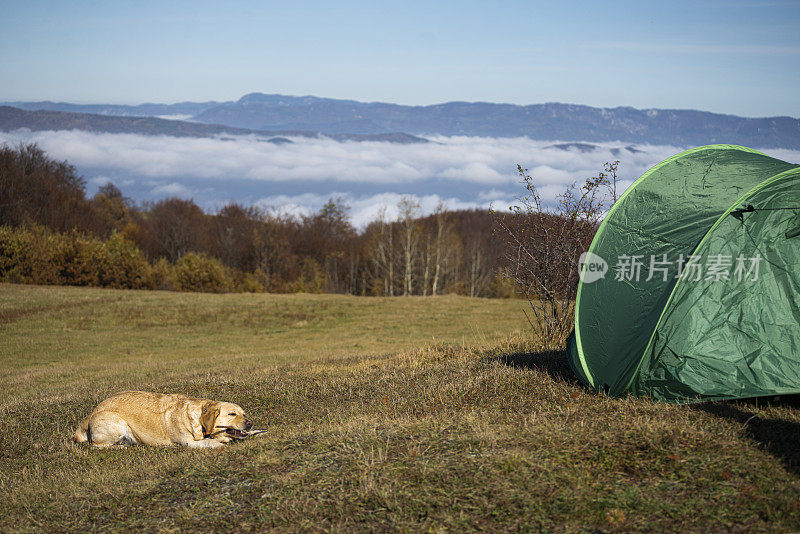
point(543, 246)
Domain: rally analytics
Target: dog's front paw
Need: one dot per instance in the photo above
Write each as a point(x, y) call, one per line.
point(208, 443)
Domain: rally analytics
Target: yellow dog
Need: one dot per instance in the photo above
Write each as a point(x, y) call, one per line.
point(139, 417)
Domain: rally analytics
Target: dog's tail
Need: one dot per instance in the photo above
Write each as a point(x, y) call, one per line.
point(82, 433)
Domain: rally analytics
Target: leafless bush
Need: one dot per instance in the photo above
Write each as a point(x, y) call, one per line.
point(544, 244)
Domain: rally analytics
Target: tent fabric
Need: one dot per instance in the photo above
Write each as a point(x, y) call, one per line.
point(693, 320)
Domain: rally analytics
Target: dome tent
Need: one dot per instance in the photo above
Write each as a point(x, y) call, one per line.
point(690, 289)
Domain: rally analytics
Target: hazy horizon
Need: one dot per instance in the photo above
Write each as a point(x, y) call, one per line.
point(234, 99)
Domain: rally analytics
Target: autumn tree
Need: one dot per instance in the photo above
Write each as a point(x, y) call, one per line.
point(112, 211)
point(328, 238)
point(173, 228)
point(35, 189)
point(232, 234)
point(274, 260)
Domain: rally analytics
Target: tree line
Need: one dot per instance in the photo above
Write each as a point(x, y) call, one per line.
point(47, 221)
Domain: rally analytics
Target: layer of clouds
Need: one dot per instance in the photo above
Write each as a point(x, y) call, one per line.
point(298, 177)
point(490, 162)
point(177, 117)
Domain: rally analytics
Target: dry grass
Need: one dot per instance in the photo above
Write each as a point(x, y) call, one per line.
point(411, 414)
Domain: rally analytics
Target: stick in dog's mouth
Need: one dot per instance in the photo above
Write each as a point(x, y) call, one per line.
point(235, 432)
point(240, 434)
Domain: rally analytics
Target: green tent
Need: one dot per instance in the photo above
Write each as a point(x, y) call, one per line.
point(691, 288)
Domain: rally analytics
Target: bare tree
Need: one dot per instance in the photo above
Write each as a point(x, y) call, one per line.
point(409, 211)
point(477, 269)
point(426, 272)
point(443, 235)
point(382, 253)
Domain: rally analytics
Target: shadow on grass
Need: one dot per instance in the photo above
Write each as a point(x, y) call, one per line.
point(552, 362)
point(779, 437)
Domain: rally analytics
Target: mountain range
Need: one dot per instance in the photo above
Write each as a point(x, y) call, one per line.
point(12, 118)
point(310, 115)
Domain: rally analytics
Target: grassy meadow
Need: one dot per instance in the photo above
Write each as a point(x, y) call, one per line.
point(416, 414)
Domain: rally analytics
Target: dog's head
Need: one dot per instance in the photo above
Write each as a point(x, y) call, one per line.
point(224, 421)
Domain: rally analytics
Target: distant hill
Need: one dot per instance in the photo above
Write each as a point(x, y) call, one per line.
point(585, 148)
point(142, 110)
point(540, 121)
point(564, 122)
point(12, 118)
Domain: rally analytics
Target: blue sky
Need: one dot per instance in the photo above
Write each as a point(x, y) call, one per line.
point(732, 57)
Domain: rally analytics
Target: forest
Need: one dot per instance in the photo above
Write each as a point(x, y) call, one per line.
point(52, 232)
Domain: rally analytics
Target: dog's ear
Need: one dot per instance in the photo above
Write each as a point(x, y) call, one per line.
point(194, 412)
point(208, 419)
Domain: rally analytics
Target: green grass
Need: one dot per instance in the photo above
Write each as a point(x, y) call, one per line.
point(406, 413)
